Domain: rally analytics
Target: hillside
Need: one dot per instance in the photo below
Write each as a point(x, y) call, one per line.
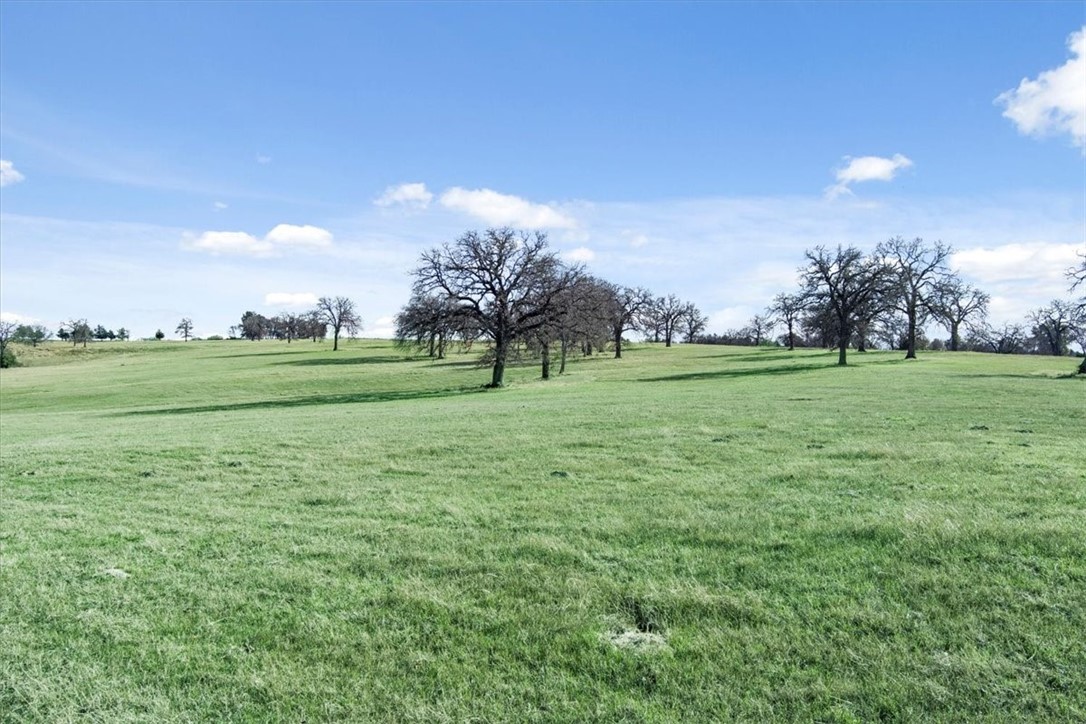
point(263, 531)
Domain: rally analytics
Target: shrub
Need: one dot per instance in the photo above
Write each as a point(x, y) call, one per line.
point(7, 358)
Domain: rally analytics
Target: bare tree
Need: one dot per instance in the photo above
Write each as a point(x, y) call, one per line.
point(788, 308)
point(184, 328)
point(670, 310)
point(759, 327)
point(955, 304)
point(505, 280)
point(918, 272)
point(845, 281)
point(78, 331)
point(1056, 324)
point(339, 314)
point(625, 308)
point(692, 323)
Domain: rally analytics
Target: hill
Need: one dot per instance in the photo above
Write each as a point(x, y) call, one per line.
point(263, 531)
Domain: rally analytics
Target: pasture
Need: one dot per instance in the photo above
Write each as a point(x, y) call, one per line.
point(240, 531)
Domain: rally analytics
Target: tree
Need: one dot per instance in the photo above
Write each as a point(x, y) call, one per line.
point(669, 312)
point(788, 308)
point(160, 335)
point(1055, 324)
point(184, 328)
point(692, 323)
point(339, 314)
point(845, 281)
point(287, 326)
point(956, 303)
point(122, 334)
point(918, 271)
point(31, 334)
point(254, 326)
point(505, 281)
point(78, 331)
point(7, 332)
point(759, 327)
point(625, 307)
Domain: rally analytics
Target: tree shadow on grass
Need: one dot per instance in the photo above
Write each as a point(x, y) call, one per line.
point(288, 402)
point(277, 353)
point(763, 371)
point(321, 361)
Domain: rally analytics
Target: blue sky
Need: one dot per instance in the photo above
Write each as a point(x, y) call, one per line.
point(203, 159)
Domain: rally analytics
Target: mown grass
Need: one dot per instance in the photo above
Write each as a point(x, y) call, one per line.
point(257, 531)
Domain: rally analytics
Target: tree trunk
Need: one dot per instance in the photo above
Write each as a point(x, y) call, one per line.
point(953, 336)
point(335, 339)
point(564, 349)
point(501, 349)
point(842, 350)
point(791, 339)
point(1082, 366)
point(618, 344)
point(441, 346)
point(546, 360)
point(910, 340)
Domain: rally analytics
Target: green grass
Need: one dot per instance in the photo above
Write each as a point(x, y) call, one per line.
point(355, 536)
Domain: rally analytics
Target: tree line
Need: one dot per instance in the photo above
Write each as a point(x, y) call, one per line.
point(848, 298)
point(507, 287)
point(337, 314)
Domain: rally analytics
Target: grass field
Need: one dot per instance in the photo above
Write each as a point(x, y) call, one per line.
point(257, 532)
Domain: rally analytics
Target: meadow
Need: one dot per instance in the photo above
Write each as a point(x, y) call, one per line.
point(238, 531)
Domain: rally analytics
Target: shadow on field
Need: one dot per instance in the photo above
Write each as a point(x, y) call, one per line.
point(758, 371)
point(320, 361)
point(269, 354)
point(345, 399)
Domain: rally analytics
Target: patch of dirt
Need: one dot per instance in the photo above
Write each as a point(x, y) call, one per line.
point(640, 642)
point(116, 573)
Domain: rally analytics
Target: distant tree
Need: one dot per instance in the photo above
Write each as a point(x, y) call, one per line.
point(184, 328)
point(759, 327)
point(122, 334)
point(692, 323)
point(288, 326)
point(669, 312)
point(625, 307)
point(1055, 325)
point(788, 308)
point(160, 335)
point(254, 326)
point(505, 281)
point(1008, 339)
point(955, 304)
point(339, 314)
point(844, 281)
point(7, 332)
point(31, 334)
point(77, 331)
point(918, 271)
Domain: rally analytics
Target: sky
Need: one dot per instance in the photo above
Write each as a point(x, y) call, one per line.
point(167, 160)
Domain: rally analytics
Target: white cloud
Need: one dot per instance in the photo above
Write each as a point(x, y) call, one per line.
point(505, 210)
point(262, 159)
point(1055, 102)
point(302, 236)
point(219, 206)
point(8, 174)
point(866, 168)
point(229, 242)
point(16, 318)
point(414, 195)
point(290, 299)
point(1016, 262)
point(580, 254)
point(282, 238)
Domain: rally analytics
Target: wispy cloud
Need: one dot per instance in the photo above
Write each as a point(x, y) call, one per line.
point(220, 206)
point(281, 239)
point(8, 174)
point(580, 254)
point(290, 299)
point(1055, 102)
point(412, 195)
point(262, 159)
point(505, 210)
point(866, 168)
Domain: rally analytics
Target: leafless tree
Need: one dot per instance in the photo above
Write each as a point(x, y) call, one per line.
point(184, 328)
point(759, 327)
point(1056, 324)
point(339, 314)
point(506, 281)
point(78, 331)
point(692, 323)
point(955, 304)
point(918, 271)
point(787, 308)
point(624, 309)
point(845, 281)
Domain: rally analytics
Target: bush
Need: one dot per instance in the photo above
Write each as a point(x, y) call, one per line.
point(215, 337)
point(7, 358)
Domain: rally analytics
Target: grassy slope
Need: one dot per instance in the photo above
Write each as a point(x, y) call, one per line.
point(318, 535)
